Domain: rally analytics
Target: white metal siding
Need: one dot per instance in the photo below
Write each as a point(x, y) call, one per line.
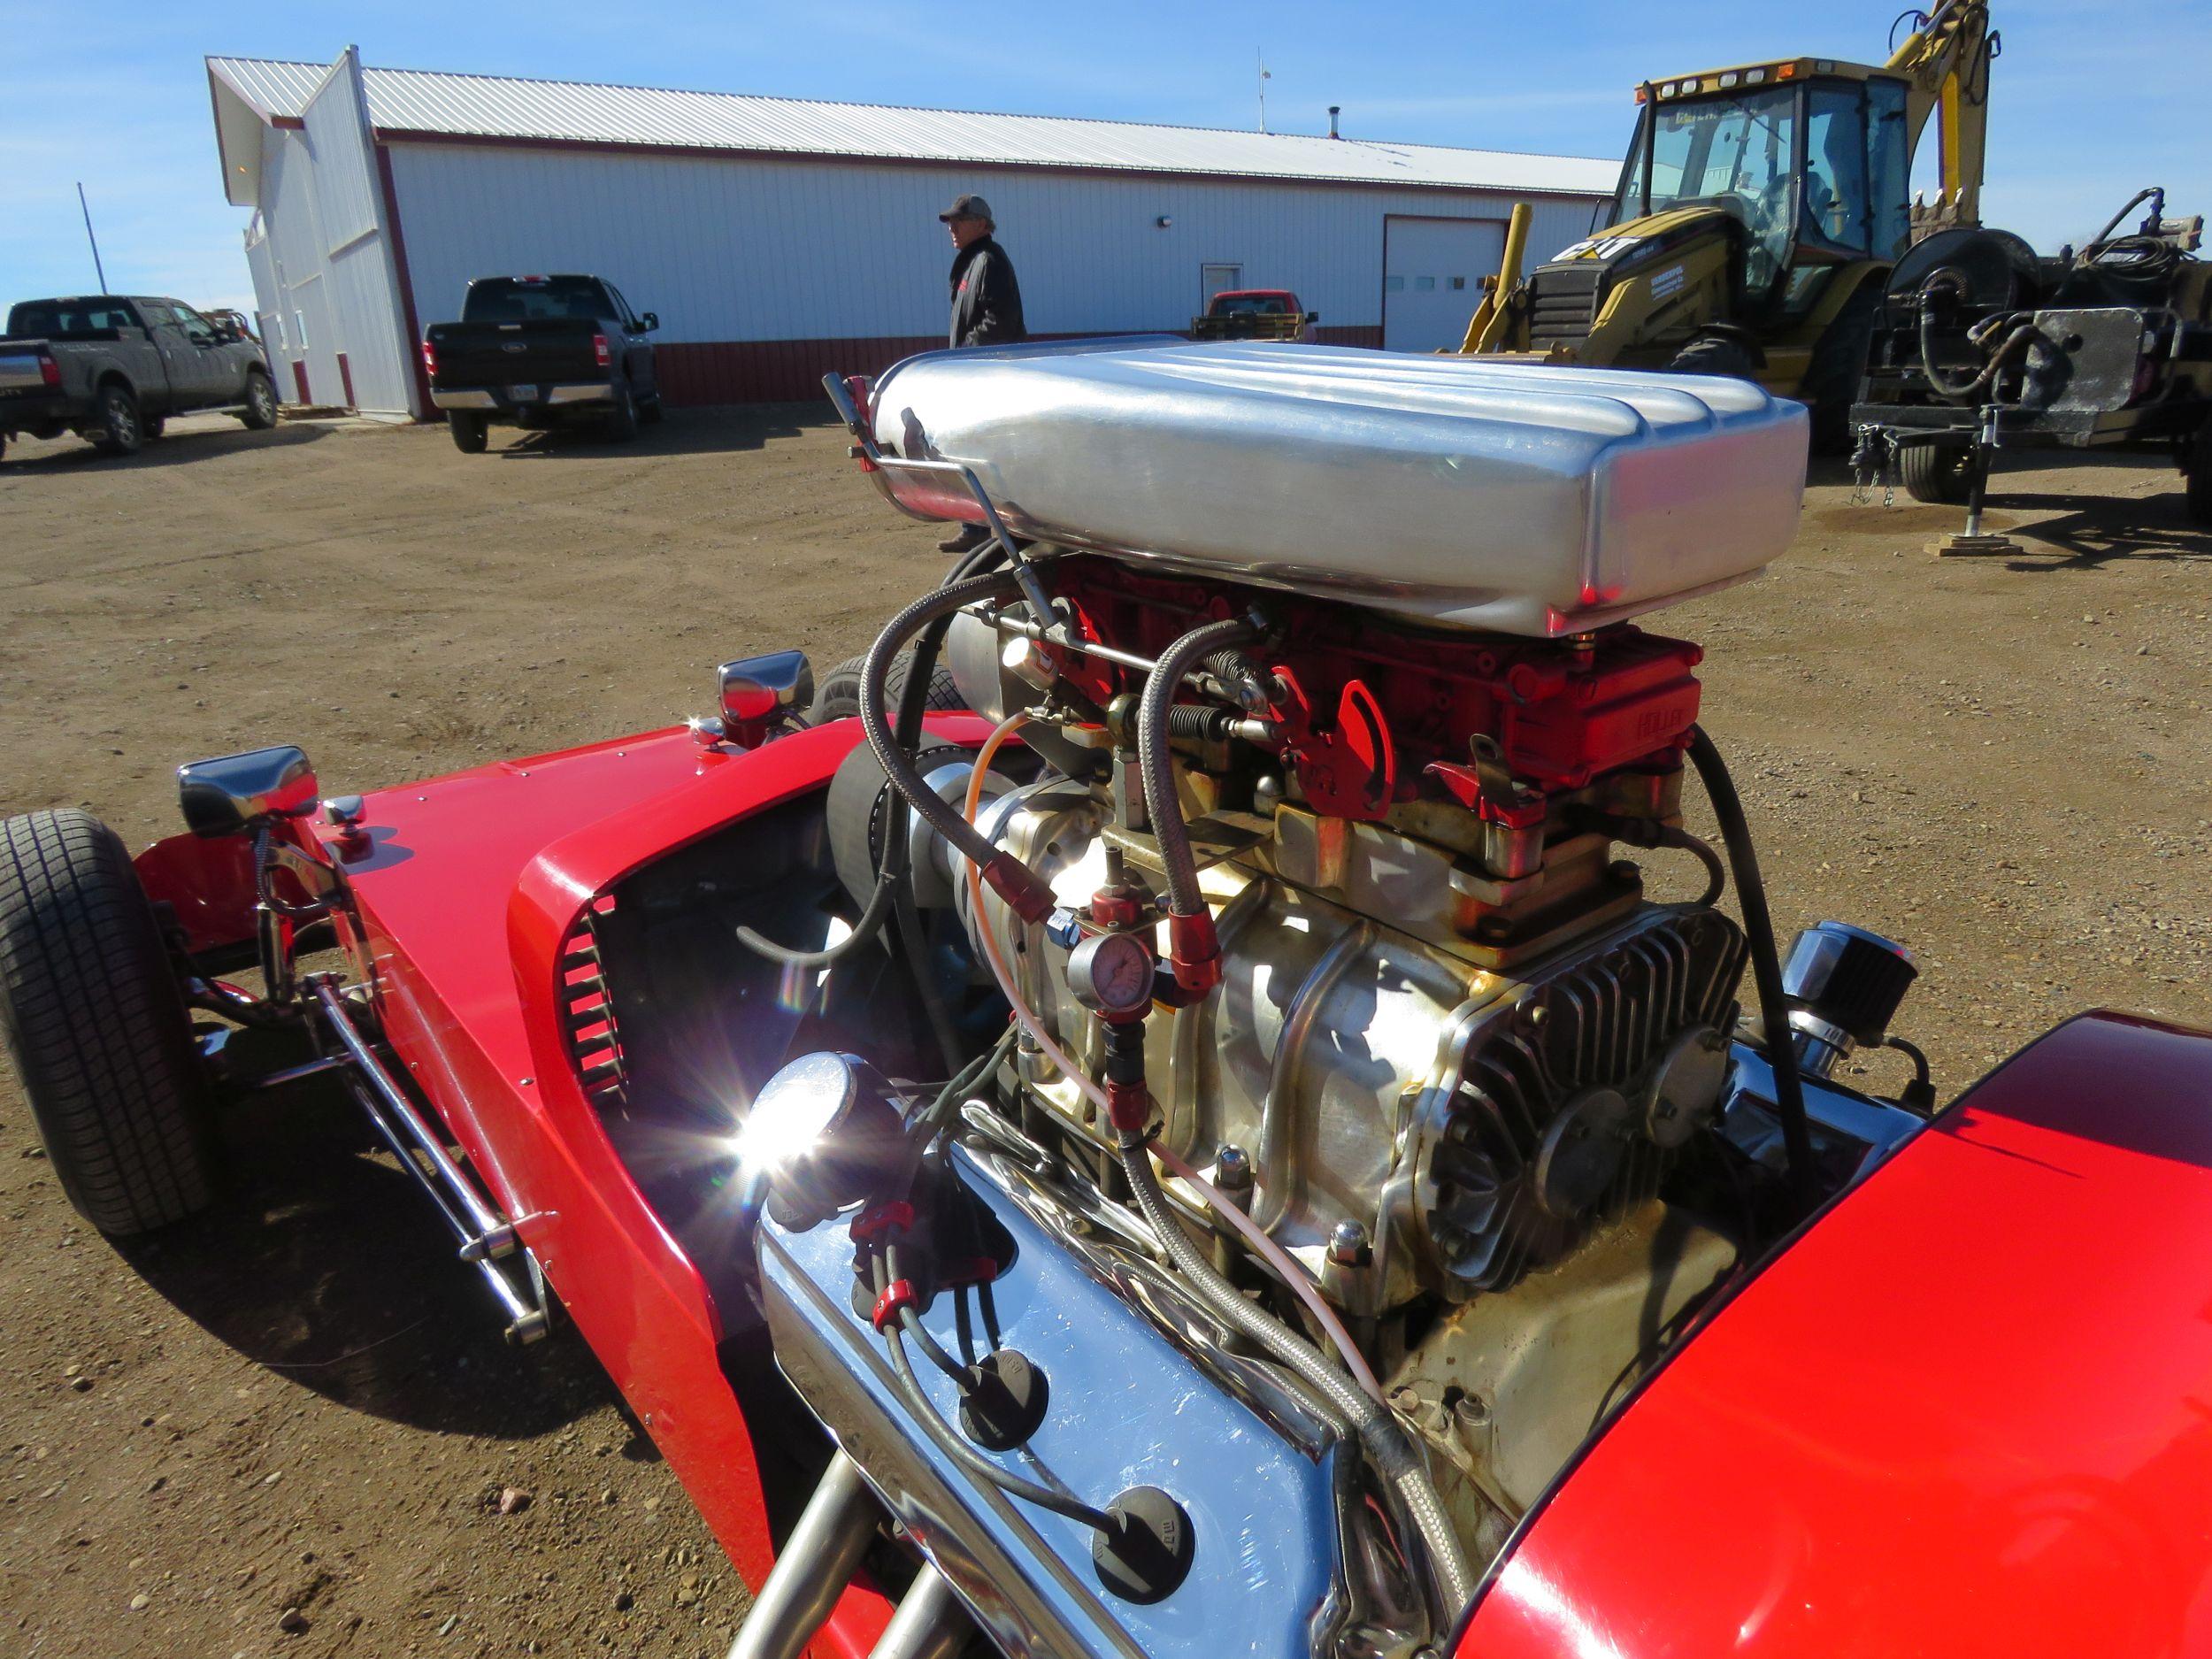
point(337, 134)
point(734, 249)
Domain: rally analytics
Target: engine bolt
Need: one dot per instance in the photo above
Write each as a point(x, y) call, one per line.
point(1233, 1168)
point(1347, 1244)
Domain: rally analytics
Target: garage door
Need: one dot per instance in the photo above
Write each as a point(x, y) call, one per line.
point(1432, 271)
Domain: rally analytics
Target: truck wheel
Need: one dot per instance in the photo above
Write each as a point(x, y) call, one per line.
point(261, 402)
point(1839, 366)
point(2196, 476)
point(649, 410)
point(469, 431)
point(3, 445)
point(1939, 473)
point(119, 429)
point(837, 694)
point(1714, 354)
point(622, 418)
point(96, 1027)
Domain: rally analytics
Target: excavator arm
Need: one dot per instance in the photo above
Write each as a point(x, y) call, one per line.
point(1945, 65)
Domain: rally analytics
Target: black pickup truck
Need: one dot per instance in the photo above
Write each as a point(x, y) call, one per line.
point(537, 352)
point(113, 368)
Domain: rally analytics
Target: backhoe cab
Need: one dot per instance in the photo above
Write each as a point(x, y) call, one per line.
point(1758, 212)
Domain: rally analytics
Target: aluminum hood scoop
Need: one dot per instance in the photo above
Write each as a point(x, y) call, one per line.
point(1520, 497)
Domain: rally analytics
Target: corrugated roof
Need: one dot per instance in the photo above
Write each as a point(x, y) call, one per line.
point(496, 106)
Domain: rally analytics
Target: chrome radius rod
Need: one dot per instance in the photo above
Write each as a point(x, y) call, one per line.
point(484, 1235)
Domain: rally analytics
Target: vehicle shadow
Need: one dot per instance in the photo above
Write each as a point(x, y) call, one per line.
point(2088, 531)
point(704, 429)
point(176, 448)
point(326, 1264)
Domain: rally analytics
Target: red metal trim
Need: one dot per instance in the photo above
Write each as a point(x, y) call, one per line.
point(299, 378)
point(345, 379)
point(424, 409)
point(503, 140)
point(1963, 1414)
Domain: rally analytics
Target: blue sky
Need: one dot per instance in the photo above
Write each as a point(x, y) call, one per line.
point(2091, 102)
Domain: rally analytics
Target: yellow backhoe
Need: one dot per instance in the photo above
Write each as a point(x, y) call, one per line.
point(1758, 213)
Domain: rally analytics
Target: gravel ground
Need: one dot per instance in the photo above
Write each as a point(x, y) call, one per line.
point(290, 1428)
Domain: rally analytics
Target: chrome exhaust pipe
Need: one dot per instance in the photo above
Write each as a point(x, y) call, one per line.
point(812, 1569)
point(930, 1623)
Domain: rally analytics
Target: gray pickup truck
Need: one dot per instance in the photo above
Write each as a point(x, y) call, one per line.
point(113, 369)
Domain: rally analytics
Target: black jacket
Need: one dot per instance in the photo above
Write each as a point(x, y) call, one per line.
point(986, 301)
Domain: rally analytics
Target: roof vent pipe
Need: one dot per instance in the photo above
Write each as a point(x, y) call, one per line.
point(1334, 110)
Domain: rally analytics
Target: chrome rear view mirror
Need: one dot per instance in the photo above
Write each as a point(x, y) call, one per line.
point(756, 695)
point(233, 792)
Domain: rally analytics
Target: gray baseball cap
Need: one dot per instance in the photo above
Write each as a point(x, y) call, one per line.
point(968, 207)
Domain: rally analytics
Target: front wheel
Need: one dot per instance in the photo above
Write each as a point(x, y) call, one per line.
point(649, 410)
point(837, 694)
point(97, 1028)
point(1715, 354)
point(120, 429)
point(1941, 474)
point(622, 418)
point(261, 402)
point(469, 431)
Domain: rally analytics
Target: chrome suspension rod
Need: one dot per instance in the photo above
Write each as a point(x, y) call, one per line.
point(930, 1623)
point(812, 1569)
point(484, 1235)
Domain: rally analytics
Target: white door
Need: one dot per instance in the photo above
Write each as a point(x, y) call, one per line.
point(1432, 271)
point(1217, 279)
point(314, 344)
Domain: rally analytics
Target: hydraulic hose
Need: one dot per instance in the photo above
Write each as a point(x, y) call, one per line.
point(1013, 880)
point(1155, 766)
point(1766, 960)
point(891, 875)
point(1385, 1442)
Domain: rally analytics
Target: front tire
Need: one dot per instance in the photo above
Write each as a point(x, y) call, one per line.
point(121, 429)
point(622, 419)
point(1837, 369)
point(97, 1028)
point(837, 694)
point(1941, 474)
point(469, 431)
point(1715, 354)
point(261, 402)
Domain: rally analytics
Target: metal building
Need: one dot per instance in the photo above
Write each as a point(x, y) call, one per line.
point(779, 239)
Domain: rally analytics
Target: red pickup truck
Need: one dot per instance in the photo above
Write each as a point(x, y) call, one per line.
point(1253, 314)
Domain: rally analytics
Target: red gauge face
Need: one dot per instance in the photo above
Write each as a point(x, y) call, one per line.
point(1112, 973)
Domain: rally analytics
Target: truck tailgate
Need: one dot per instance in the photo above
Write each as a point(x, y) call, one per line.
point(541, 352)
point(23, 365)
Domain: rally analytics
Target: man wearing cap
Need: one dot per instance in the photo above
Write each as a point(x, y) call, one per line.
point(987, 301)
point(986, 305)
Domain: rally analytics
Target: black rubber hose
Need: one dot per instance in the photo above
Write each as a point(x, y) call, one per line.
point(1716, 876)
point(1156, 766)
point(891, 874)
point(957, 1448)
point(898, 764)
point(1766, 960)
point(1382, 1439)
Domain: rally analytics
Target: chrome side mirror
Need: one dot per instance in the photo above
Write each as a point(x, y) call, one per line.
point(235, 793)
point(756, 695)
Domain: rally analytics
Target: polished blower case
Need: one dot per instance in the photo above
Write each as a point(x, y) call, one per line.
point(1526, 499)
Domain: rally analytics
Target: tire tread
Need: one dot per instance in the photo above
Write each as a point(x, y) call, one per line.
point(97, 1031)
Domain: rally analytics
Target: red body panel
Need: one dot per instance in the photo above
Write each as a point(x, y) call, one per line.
point(1968, 1412)
point(208, 882)
point(459, 903)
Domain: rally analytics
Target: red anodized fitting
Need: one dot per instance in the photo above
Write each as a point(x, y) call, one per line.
point(1193, 951)
point(1020, 886)
point(899, 1295)
point(1129, 1105)
point(878, 1219)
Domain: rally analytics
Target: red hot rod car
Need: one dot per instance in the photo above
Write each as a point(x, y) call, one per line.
point(1208, 1147)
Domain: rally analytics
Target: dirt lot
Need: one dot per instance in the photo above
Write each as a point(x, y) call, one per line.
point(303, 1404)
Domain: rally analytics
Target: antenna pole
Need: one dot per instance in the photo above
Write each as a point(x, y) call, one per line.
point(90, 237)
point(1264, 79)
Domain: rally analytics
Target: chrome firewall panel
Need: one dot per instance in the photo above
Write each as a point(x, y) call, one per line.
point(1126, 1409)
